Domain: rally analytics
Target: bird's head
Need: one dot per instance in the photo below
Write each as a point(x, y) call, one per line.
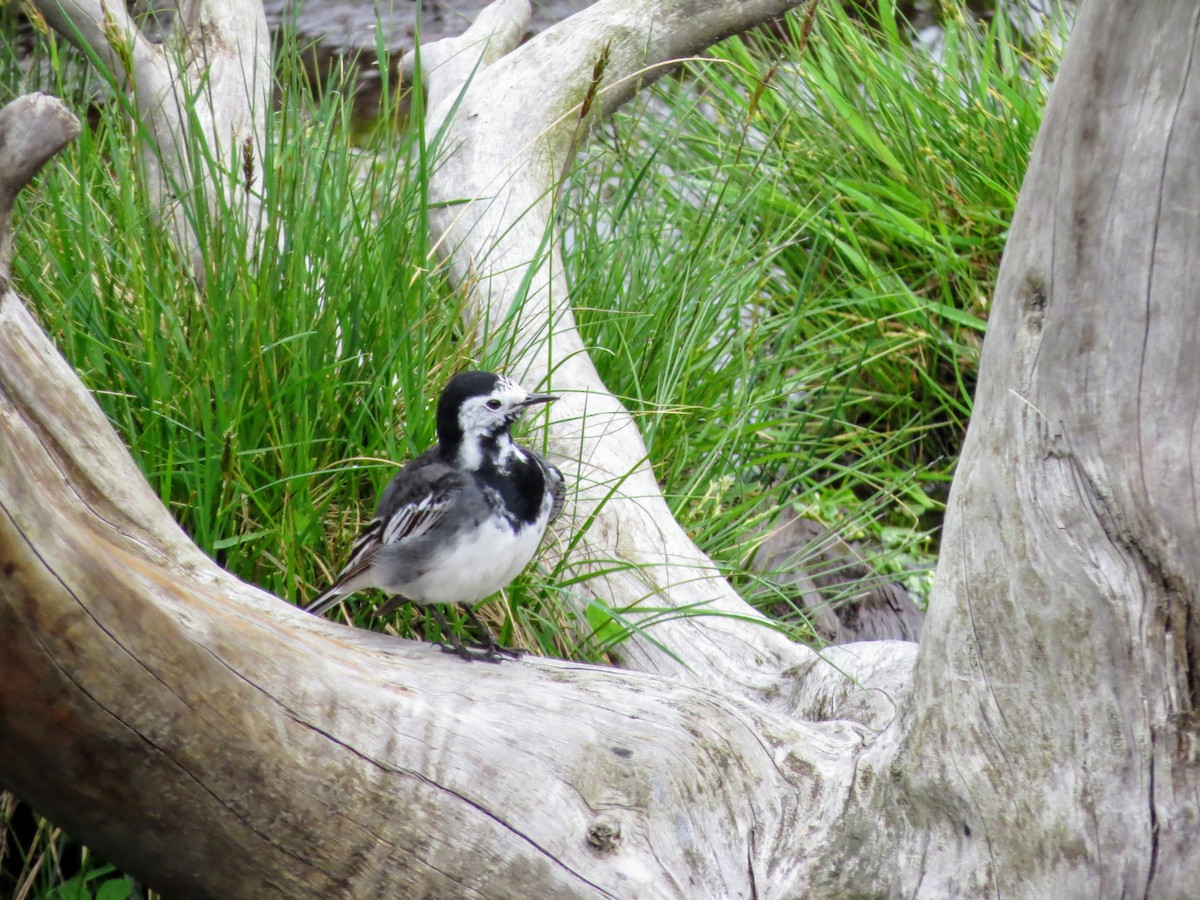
point(476, 411)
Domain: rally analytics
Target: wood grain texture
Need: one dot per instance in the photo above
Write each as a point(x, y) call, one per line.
point(217, 742)
point(1050, 748)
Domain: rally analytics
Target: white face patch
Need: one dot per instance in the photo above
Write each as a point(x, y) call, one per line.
point(478, 421)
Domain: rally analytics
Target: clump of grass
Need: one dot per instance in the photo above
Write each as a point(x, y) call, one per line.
point(783, 258)
point(265, 406)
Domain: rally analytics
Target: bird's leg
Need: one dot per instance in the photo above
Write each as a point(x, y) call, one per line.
point(456, 644)
point(490, 645)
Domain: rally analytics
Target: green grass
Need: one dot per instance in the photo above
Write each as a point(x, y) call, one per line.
point(266, 407)
point(786, 273)
point(781, 257)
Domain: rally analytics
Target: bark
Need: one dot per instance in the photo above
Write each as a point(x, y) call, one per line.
point(202, 95)
point(1050, 744)
point(217, 742)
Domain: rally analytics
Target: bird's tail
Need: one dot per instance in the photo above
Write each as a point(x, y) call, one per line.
point(326, 599)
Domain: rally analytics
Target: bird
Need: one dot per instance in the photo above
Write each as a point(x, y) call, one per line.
point(463, 519)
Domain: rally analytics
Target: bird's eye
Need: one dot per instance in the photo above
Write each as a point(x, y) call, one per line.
point(493, 404)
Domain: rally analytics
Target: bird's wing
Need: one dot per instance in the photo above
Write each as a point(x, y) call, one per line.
point(414, 518)
point(558, 486)
point(414, 501)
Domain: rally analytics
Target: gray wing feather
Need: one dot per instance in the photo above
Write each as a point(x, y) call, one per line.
point(558, 487)
point(413, 503)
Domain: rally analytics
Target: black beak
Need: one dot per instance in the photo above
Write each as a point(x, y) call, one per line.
point(535, 399)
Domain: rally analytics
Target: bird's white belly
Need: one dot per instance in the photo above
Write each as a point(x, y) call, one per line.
point(477, 565)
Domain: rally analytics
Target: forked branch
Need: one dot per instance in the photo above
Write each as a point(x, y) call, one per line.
point(508, 119)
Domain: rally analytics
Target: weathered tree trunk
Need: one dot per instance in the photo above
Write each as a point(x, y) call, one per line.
point(217, 742)
point(206, 87)
point(1050, 745)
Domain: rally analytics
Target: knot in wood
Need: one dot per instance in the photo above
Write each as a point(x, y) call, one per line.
point(604, 836)
point(1034, 302)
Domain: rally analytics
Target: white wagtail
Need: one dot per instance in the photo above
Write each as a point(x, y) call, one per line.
point(464, 518)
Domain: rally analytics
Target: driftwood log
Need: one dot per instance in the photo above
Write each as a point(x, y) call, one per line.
point(1041, 742)
point(206, 87)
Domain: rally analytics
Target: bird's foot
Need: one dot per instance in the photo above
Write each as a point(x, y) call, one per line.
point(488, 642)
point(487, 649)
point(495, 652)
point(486, 654)
point(492, 649)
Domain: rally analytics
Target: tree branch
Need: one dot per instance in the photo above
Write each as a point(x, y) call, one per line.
point(32, 129)
point(510, 121)
point(217, 742)
point(203, 96)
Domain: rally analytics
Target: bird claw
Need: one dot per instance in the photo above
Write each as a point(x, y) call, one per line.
point(510, 652)
point(492, 649)
point(494, 654)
